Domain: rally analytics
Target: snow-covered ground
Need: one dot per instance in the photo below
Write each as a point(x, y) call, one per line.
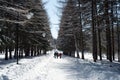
point(46, 67)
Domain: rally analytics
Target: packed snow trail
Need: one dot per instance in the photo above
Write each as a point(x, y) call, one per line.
point(67, 68)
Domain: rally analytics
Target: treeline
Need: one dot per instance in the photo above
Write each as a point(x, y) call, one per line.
point(24, 28)
point(90, 26)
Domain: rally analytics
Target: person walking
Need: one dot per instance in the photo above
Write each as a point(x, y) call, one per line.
point(56, 54)
point(60, 54)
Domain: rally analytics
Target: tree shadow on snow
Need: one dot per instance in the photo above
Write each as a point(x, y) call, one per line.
point(5, 62)
point(13, 60)
point(5, 77)
point(81, 69)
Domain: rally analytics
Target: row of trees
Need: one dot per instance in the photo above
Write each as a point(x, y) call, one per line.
point(24, 28)
point(92, 26)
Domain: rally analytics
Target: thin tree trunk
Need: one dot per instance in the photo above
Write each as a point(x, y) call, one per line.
point(94, 30)
point(31, 50)
point(10, 53)
point(118, 32)
point(44, 51)
point(76, 46)
point(6, 53)
point(40, 51)
point(99, 41)
point(81, 32)
point(113, 52)
point(108, 31)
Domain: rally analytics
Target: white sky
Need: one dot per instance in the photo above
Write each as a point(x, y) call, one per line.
point(52, 13)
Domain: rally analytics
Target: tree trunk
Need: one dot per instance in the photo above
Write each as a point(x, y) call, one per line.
point(27, 51)
point(76, 46)
point(118, 32)
point(108, 31)
point(10, 53)
point(112, 34)
point(94, 30)
point(81, 32)
point(31, 50)
point(99, 42)
point(40, 51)
point(6, 53)
point(34, 51)
point(44, 51)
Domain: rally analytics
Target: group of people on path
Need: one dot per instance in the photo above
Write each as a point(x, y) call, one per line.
point(57, 55)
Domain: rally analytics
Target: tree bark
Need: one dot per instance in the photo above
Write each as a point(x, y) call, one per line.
point(118, 32)
point(112, 32)
point(81, 32)
point(6, 53)
point(10, 53)
point(108, 31)
point(94, 30)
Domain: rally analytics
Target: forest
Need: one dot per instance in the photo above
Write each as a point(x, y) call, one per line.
point(87, 46)
point(85, 26)
point(90, 26)
point(24, 28)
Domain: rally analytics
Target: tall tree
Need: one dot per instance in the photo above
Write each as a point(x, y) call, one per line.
point(81, 29)
point(108, 31)
point(94, 30)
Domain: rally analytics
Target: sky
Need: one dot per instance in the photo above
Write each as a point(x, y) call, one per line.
point(52, 11)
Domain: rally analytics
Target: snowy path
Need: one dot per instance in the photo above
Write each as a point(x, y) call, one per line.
point(49, 68)
point(56, 69)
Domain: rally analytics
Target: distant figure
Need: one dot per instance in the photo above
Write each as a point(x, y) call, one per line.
point(60, 54)
point(56, 54)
